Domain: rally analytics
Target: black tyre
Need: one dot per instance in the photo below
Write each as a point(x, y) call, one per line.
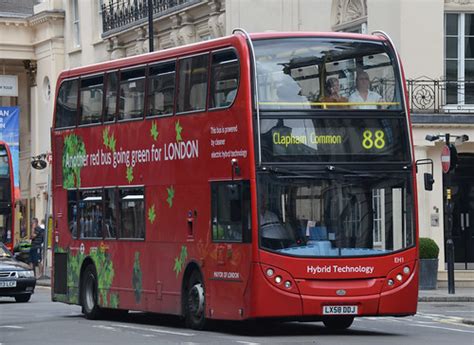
point(195, 302)
point(115, 314)
point(23, 298)
point(90, 308)
point(338, 322)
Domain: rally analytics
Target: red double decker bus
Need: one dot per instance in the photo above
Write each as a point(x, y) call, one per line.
point(7, 197)
point(253, 176)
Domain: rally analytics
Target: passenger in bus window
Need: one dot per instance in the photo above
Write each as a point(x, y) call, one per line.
point(331, 92)
point(363, 94)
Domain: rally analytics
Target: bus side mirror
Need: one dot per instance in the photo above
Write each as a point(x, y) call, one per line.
point(428, 177)
point(429, 181)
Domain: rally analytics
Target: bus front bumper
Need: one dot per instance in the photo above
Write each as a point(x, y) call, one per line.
point(314, 298)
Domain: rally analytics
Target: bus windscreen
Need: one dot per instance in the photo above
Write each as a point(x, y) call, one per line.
point(328, 74)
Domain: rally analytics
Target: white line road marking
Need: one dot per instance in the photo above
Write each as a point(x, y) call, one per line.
point(247, 342)
point(156, 330)
point(105, 327)
point(12, 327)
point(445, 328)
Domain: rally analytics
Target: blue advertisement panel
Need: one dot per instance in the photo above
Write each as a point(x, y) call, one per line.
point(10, 133)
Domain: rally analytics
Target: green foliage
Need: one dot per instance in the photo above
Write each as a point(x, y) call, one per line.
point(179, 129)
point(169, 200)
point(105, 273)
point(137, 278)
point(180, 260)
point(112, 143)
point(109, 139)
point(114, 300)
point(105, 136)
point(74, 264)
point(428, 248)
point(151, 214)
point(129, 174)
point(154, 131)
point(73, 149)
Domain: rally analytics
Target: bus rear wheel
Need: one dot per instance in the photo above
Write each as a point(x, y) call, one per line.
point(195, 304)
point(90, 308)
point(338, 322)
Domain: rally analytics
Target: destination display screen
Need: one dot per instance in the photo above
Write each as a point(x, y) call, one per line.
point(327, 139)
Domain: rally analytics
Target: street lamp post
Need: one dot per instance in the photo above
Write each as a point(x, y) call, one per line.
point(39, 163)
point(449, 161)
point(150, 26)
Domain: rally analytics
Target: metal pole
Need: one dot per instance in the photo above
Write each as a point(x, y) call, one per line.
point(150, 25)
point(449, 230)
point(46, 226)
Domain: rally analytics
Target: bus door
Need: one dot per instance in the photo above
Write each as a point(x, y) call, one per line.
point(230, 262)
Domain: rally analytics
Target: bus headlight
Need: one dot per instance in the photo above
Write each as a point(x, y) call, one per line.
point(390, 282)
point(279, 278)
point(399, 277)
point(406, 270)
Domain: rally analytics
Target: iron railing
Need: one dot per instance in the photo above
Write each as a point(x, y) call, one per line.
point(118, 15)
point(440, 96)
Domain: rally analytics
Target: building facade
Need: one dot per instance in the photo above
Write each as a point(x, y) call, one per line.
point(435, 39)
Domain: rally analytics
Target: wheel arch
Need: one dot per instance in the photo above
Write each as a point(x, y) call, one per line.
point(190, 268)
point(87, 261)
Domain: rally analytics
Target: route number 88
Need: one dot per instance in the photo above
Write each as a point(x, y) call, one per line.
point(373, 139)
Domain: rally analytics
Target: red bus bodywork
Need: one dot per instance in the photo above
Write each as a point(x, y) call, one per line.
point(178, 240)
point(7, 206)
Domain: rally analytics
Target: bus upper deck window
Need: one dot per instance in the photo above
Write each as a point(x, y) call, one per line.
point(161, 89)
point(192, 86)
point(91, 100)
point(225, 79)
point(132, 94)
point(66, 104)
point(111, 96)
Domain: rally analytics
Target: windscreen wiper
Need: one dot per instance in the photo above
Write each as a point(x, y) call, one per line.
point(339, 170)
point(285, 173)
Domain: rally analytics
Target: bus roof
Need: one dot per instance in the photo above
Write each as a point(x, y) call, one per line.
point(236, 39)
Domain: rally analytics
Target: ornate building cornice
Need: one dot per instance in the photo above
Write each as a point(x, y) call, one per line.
point(46, 16)
point(459, 2)
point(347, 12)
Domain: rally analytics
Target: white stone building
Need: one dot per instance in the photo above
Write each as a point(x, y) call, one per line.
point(435, 39)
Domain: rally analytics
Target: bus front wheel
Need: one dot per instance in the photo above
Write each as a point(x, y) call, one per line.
point(338, 322)
point(90, 308)
point(195, 304)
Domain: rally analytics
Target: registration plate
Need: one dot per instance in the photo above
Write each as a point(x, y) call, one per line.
point(8, 284)
point(340, 310)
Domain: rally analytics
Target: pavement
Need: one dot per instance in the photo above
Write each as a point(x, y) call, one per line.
point(461, 295)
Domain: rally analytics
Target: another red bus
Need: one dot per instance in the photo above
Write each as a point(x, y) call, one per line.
point(163, 163)
point(7, 197)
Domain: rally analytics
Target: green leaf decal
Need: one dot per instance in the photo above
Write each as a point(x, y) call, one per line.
point(109, 139)
point(74, 157)
point(105, 136)
point(129, 174)
point(154, 131)
point(169, 200)
point(177, 266)
point(179, 129)
point(180, 260)
point(151, 214)
point(112, 142)
point(184, 253)
point(137, 278)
